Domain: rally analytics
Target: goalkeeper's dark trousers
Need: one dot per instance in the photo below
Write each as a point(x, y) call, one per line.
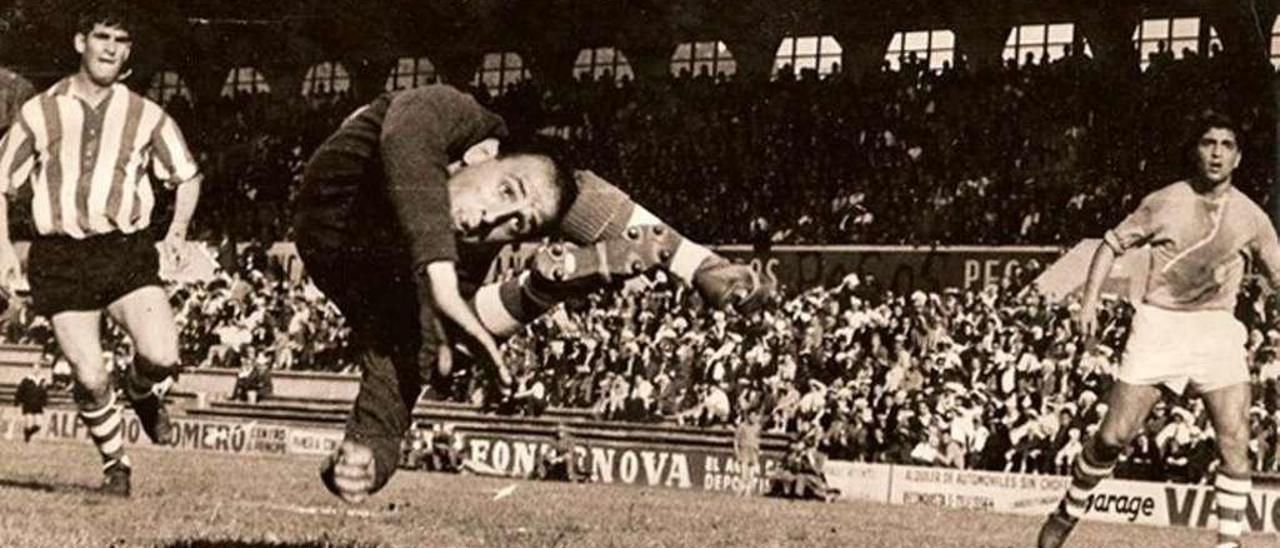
point(378, 298)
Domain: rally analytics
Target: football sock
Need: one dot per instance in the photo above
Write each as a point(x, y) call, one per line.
point(106, 427)
point(1232, 496)
point(1086, 473)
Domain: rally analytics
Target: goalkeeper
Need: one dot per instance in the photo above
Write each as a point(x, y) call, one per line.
point(400, 213)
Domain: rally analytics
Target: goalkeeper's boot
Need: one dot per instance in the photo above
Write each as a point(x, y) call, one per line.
point(569, 270)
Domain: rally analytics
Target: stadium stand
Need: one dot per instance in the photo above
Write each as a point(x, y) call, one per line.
point(828, 160)
point(994, 379)
point(895, 150)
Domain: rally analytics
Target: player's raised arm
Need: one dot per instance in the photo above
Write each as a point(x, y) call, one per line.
point(443, 280)
point(419, 130)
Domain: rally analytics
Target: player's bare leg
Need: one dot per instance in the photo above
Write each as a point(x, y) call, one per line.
point(146, 317)
point(1127, 408)
point(78, 334)
point(1229, 409)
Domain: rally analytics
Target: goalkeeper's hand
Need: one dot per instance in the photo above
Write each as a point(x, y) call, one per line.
point(350, 472)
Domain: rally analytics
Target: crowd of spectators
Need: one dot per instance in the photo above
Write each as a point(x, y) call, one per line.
point(258, 319)
point(252, 315)
point(996, 379)
point(905, 155)
point(252, 147)
point(900, 156)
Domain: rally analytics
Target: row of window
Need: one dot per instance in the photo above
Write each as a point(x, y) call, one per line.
point(933, 48)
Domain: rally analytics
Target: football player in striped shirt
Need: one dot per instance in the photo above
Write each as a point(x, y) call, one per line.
point(88, 147)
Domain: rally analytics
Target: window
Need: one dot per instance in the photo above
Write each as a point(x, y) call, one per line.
point(715, 57)
point(1275, 43)
point(499, 70)
point(934, 47)
point(821, 53)
point(1043, 40)
point(411, 72)
point(325, 78)
point(166, 85)
point(244, 80)
point(596, 62)
point(1174, 35)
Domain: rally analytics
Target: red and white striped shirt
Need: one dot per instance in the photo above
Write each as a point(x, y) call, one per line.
point(90, 167)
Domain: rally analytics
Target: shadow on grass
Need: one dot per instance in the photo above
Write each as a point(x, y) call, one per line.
point(231, 543)
point(48, 487)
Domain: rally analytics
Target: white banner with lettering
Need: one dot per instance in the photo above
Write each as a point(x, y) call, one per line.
point(1117, 501)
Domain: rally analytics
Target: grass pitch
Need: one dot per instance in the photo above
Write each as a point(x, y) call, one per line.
point(189, 499)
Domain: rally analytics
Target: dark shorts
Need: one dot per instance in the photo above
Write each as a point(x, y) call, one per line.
point(67, 274)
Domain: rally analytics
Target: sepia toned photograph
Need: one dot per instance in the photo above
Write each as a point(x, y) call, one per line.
point(660, 273)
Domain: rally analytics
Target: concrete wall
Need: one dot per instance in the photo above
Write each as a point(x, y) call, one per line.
point(16, 361)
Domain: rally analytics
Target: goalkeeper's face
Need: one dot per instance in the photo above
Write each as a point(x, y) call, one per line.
point(505, 199)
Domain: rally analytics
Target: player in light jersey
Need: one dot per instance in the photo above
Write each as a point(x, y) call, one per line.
point(1201, 232)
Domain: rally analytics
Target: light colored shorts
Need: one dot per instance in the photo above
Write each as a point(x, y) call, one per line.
point(1203, 348)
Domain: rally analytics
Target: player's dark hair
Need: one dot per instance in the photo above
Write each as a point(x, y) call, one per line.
point(1212, 119)
point(108, 14)
point(557, 151)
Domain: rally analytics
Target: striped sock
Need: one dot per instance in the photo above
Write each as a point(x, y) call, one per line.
point(1232, 496)
point(106, 427)
point(1086, 473)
